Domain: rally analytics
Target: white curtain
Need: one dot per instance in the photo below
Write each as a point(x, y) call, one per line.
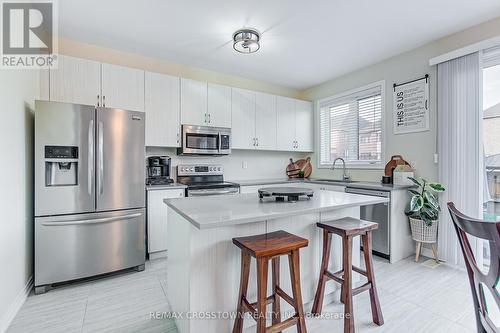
point(460, 148)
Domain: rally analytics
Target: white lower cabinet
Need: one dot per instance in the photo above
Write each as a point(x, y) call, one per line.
point(157, 219)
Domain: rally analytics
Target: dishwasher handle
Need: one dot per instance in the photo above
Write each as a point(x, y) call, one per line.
point(375, 193)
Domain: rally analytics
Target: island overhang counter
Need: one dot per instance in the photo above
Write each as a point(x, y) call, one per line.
point(203, 265)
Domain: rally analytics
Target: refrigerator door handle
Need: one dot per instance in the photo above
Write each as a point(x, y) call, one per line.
point(101, 156)
point(90, 175)
point(93, 221)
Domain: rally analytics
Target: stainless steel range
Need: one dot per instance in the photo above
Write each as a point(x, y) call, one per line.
point(206, 179)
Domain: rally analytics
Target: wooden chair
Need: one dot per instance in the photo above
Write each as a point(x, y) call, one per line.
point(264, 248)
point(347, 228)
point(489, 231)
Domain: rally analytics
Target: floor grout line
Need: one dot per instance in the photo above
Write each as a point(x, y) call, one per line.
point(86, 305)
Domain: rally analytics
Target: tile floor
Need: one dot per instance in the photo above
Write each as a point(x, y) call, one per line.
point(414, 298)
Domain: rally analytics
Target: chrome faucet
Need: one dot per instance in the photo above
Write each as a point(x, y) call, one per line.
point(345, 177)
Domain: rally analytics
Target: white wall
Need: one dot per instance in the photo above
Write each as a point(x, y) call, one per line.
point(260, 164)
point(417, 148)
point(18, 89)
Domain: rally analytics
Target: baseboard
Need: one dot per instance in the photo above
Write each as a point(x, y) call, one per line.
point(157, 255)
point(15, 306)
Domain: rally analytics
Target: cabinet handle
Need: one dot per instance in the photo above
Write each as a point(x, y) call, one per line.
point(205, 118)
point(209, 118)
point(177, 137)
point(297, 144)
point(97, 99)
point(104, 100)
point(257, 139)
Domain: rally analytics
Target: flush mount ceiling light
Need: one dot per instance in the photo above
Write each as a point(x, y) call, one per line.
point(246, 40)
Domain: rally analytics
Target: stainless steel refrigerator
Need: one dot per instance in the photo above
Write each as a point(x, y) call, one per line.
point(89, 191)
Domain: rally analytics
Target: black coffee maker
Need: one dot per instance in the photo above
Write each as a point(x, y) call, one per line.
point(158, 170)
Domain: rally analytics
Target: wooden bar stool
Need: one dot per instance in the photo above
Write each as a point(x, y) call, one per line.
point(263, 248)
point(348, 228)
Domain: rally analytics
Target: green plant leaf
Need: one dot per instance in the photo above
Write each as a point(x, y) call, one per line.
point(427, 219)
point(415, 181)
point(413, 192)
point(416, 203)
point(436, 187)
point(430, 211)
point(432, 200)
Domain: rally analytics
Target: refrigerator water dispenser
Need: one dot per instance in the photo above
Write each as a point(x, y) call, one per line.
point(61, 166)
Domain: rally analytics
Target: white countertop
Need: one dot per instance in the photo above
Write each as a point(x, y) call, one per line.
point(354, 184)
point(171, 186)
point(218, 211)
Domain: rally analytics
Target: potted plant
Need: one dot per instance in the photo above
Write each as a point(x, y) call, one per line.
point(423, 213)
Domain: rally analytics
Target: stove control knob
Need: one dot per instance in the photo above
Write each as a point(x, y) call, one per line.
point(219, 169)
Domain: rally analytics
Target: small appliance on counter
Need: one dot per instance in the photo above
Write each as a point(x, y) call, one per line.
point(395, 161)
point(158, 170)
point(290, 193)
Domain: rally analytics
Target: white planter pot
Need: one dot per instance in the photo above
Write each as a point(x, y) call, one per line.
point(422, 233)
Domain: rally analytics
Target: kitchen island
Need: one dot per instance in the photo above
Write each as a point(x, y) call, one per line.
point(204, 266)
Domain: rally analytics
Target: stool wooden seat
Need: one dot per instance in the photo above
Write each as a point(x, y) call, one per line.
point(267, 247)
point(348, 228)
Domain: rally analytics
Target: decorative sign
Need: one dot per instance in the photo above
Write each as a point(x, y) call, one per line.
point(411, 106)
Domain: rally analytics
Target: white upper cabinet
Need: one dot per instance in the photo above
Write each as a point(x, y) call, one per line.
point(295, 124)
point(122, 87)
point(74, 81)
point(243, 119)
point(162, 107)
point(286, 123)
point(193, 102)
point(265, 121)
point(219, 106)
point(304, 125)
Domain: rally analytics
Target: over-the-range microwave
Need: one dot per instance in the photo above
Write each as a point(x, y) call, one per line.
point(204, 140)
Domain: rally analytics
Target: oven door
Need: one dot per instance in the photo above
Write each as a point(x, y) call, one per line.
point(213, 191)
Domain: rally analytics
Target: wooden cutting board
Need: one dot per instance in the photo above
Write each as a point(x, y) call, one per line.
point(305, 166)
point(292, 170)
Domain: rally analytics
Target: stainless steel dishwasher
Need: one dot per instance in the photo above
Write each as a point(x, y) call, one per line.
point(381, 214)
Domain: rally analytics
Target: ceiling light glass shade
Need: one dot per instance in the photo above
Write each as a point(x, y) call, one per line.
point(246, 40)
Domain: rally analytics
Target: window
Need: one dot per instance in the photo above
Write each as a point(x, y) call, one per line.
point(351, 127)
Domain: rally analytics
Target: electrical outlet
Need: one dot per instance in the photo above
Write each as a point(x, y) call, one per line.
point(244, 165)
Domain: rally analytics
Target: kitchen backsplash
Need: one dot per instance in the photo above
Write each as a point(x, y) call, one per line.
point(240, 165)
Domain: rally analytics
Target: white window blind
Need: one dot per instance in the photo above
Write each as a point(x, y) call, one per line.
point(351, 128)
point(491, 56)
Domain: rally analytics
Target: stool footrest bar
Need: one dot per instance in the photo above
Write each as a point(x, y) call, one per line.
point(362, 288)
point(285, 296)
point(283, 325)
point(359, 270)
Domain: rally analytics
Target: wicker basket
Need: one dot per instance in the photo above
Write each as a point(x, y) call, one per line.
point(420, 232)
